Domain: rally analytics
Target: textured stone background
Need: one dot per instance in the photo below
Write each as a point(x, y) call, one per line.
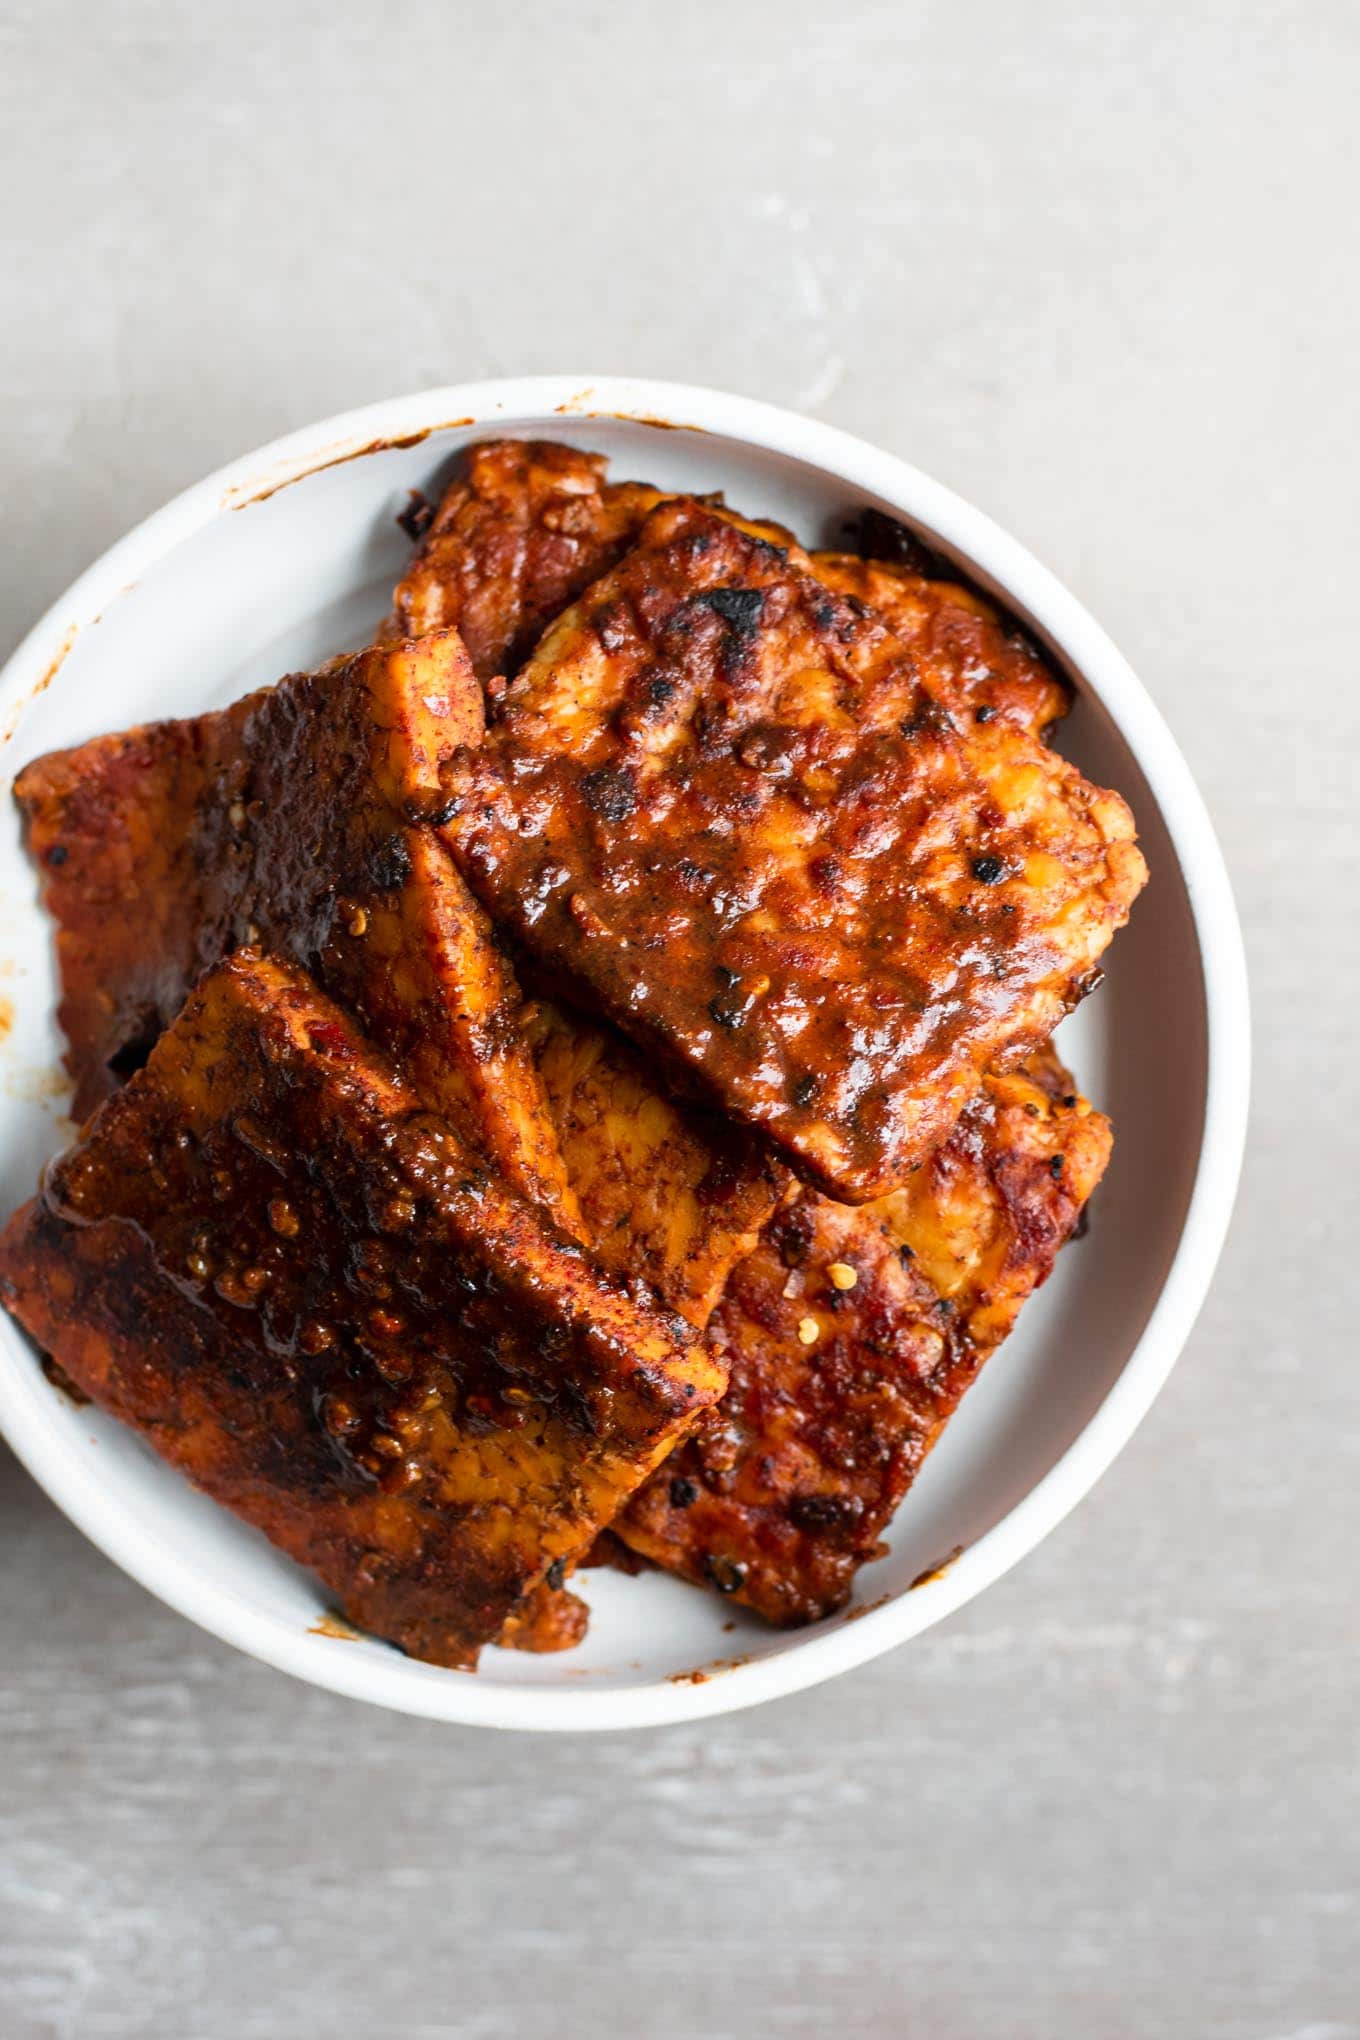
point(1094, 266)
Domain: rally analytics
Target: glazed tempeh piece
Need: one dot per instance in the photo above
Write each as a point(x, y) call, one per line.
point(313, 1299)
point(112, 827)
point(668, 1195)
point(967, 655)
point(527, 525)
point(851, 1334)
point(717, 803)
point(287, 821)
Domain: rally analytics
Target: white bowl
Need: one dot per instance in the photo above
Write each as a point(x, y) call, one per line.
point(289, 555)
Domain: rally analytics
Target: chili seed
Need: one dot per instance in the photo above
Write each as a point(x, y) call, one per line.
point(283, 1218)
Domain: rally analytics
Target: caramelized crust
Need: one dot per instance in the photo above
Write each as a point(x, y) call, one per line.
point(287, 821)
point(312, 1300)
point(717, 802)
point(967, 655)
point(669, 1195)
point(526, 527)
point(838, 1392)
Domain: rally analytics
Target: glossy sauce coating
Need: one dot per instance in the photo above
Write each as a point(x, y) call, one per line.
point(719, 802)
point(313, 1300)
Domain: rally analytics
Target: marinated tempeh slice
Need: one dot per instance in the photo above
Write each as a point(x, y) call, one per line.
point(851, 1334)
point(287, 821)
point(718, 803)
point(668, 1194)
point(524, 529)
point(527, 525)
point(313, 1299)
point(966, 653)
point(112, 828)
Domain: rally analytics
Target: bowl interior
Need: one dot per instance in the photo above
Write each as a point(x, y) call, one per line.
point(282, 582)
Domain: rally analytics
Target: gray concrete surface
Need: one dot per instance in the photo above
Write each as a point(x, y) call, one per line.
point(1094, 266)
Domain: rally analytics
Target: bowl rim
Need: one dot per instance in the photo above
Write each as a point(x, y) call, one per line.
point(386, 1678)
